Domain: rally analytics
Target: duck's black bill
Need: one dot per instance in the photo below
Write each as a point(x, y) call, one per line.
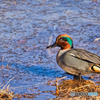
point(52, 46)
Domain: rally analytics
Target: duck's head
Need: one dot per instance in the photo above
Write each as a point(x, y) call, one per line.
point(64, 41)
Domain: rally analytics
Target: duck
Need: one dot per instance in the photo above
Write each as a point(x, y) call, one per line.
point(75, 61)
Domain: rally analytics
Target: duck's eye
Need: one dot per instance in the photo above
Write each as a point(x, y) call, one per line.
point(62, 39)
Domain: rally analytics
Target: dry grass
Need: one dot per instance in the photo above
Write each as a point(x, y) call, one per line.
point(6, 94)
point(96, 39)
point(66, 86)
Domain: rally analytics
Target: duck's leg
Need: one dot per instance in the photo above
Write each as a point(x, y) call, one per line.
point(79, 76)
point(76, 77)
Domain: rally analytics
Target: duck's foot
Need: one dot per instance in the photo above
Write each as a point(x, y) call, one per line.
point(78, 77)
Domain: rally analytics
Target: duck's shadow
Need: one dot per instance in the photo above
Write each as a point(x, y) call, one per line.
point(47, 71)
point(41, 71)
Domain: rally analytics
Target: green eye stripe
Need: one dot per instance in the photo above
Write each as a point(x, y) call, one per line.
point(68, 40)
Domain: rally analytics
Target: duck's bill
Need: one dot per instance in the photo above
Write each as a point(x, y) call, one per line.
point(52, 46)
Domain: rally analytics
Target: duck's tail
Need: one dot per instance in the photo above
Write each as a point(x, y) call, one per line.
point(95, 68)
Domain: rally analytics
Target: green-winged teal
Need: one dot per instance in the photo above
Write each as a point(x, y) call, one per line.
point(75, 61)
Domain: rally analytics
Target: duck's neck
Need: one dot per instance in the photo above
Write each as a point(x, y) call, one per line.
point(62, 51)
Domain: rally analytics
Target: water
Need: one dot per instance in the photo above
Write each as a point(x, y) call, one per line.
point(28, 26)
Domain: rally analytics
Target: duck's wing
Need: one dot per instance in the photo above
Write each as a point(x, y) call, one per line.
point(84, 55)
